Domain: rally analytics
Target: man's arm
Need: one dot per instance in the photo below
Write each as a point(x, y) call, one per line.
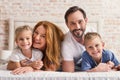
point(68, 66)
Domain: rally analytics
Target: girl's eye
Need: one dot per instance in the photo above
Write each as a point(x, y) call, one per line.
point(21, 39)
point(28, 38)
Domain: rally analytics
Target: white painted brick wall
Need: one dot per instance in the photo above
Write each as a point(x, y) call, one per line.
point(107, 10)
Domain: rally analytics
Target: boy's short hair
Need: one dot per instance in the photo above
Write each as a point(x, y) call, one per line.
point(91, 35)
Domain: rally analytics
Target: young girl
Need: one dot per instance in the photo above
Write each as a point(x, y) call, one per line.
point(24, 55)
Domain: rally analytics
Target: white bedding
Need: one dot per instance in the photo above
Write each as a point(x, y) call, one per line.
point(49, 75)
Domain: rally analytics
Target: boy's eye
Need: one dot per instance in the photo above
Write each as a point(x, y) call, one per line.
point(90, 47)
point(97, 45)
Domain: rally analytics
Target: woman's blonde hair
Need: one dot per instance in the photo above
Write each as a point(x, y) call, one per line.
point(20, 29)
point(54, 37)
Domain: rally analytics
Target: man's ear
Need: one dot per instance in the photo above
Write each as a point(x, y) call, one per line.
point(86, 19)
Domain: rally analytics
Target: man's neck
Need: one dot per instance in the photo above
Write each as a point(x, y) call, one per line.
point(80, 40)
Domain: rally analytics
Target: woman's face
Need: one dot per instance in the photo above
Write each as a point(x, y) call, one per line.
point(39, 38)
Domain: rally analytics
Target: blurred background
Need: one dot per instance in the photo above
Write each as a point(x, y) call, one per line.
point(105, 11)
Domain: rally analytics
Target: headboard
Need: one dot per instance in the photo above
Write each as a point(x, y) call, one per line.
point(13, 23)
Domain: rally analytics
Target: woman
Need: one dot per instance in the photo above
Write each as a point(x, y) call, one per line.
point(47, 37)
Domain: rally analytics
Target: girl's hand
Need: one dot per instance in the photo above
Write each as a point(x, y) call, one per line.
point(25, 62)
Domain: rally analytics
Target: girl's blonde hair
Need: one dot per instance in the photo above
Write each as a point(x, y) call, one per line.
point(54, 37)
point(21, 29)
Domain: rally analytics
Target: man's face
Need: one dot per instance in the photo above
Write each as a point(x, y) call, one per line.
point(77, 24)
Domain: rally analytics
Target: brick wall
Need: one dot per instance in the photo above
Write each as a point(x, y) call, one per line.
point(106, 10)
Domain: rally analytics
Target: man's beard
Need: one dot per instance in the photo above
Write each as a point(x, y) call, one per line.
point(77, 33)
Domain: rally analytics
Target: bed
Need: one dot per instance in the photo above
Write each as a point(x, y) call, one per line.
point(50, 75)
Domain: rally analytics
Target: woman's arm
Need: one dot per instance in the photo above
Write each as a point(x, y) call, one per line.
point(51, 67)
point(13, 65)
point(37, 65)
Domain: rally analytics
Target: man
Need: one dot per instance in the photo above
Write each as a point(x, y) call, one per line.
point(73, 44)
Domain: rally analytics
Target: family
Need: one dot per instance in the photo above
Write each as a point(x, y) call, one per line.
point(47, 48)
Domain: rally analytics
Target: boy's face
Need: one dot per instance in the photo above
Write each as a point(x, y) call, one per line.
point(94, 47)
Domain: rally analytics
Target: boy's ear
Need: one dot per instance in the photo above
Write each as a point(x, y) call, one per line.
point(103, 44)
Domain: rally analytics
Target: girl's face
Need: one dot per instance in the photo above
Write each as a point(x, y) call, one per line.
point(24, 40)
point(94, 48)
point(39, 38)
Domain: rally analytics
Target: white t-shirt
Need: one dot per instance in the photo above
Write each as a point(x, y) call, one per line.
point(17, 55)
point(71, 49)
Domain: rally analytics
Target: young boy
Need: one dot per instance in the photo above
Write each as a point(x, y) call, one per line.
point(24, 55)
point(95, 58)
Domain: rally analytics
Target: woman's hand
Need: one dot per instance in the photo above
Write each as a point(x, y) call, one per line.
point(38, 64)
point(22, 70)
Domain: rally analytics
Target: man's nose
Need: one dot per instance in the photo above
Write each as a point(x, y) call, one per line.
point(78, 26)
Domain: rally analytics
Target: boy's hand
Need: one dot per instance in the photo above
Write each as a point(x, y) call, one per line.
point(111, 64)
point(118, 67)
